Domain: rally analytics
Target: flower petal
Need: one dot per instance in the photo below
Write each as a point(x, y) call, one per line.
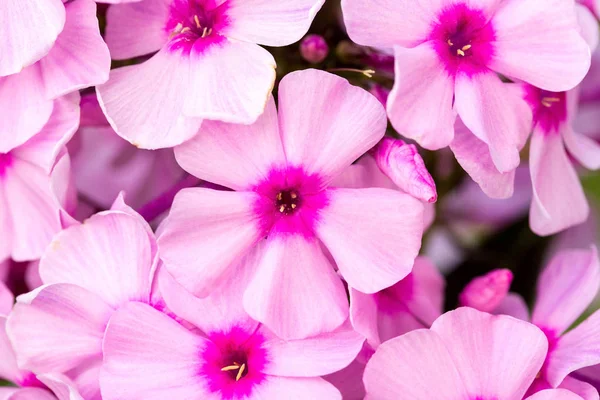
point(232, 155)
point(8, 360)
point(513, 305)
point(206, 231)
point(585, 149)
point(528, 35)
point(279, 387)
point(326, 123)
point(24, 42)
point(422, 84)
point(61, 386)
point(270, 23)
point(554, 394)
point(361, 227)
point(295, 291)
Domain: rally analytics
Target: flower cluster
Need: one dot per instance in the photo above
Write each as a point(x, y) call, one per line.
point(196, 204)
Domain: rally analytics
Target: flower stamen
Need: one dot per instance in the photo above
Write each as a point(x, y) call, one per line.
point(548, 101)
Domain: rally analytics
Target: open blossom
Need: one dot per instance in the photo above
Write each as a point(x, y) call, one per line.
point(208, 64)
point(280, 168)
point(466, 355)
point(448, 54)
point(214, 350)
point(74, 57)
point(89, 271)
point(34, 184)
point(558, 198)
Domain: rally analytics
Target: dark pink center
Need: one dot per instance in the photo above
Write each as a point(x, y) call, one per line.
point(234, 362)
point(549, 108)
point(463, 39)
point(6, 161)
point(195, 24)
point(290, 201)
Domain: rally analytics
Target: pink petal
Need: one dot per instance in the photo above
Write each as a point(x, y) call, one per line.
point(404, 367)
point(31, 394)
point(270, 23)
point(148, 355)
point(279, 387)
point(8, 360)
point(565, 289)
point(25, 110)
point(497, 356)
point(232, 155)
point(325, 122)
point(61, 386)
point(364, 315)
point(361, 227)
point(144, 102)
point(486, 293)
point(558, 198)
point(529, 53)
point(513, 305)
point(136, 29)
point(349, 381)
point(583, 389)
point(225, 91)
point(44, 148)
point(574, 350)
point(422, 84)
point(588, 25)
point(24, 42)
point(79, 58)
point(315, 356)
point(199, 243)
point(375, 22)
point(474, 156)
point(585, 149)
point(109, 255)
point(295, 291)
point(402, 163)
point(496, 114)
point(57, 327)
point(554, 394)
point(6, 299)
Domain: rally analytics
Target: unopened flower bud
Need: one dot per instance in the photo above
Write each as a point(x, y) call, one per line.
point(314, 49)
point(486, 292)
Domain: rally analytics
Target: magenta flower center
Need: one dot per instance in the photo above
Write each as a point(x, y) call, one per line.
point(287, 201)
point(549, 108)
point(5, 162)
point(463, 39)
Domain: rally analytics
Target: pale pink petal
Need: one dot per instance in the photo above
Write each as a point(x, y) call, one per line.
point(361, 228)
point(403, 164)
point(583, 389)
point(526, 51)
point(224, 91)
point(486, 293)
point(375, 22)
point(424, 291)
point(325, 122)
point(585, 149)
point(574, 350)
point(32, 394)
point(495, 113)
point(6, 299)
point(24, 42)
point(235, 156)
point(314, 356)
point(199, 243)
point(144, 103)
point(61, 386)
point(513, 305)
point(87, 379)
point(109, 255)
point(8, 360)
point(404, 367)
point(478, 344)
point(136, 29)
point(565, 289)
point(279, 387)
point(588, 25)
point(25, 109)
point(422, 84)
point(364, 314)
point(554, 394)
point(32, 208)
point(270, 23)
point(44, 148)
point(349, 381)
point(79, 58)
point(6, 393)
point(558, 198)
point(147, 355)
point(295, 291)
point(474, 156)
point(57, 327)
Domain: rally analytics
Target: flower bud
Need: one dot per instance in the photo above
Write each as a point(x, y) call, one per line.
point(314, 49)
point(486, 292)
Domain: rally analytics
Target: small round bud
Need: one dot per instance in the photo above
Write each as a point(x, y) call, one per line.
point(314, 49)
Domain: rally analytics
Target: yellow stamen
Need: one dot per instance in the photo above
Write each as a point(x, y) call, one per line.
point(240, 372)
point(293, 195)
point(460, 52)
point(294, 206)
point(206, 32)
point(547, 101)
point(197, 22)
point(282, 208)
point(280, 196)
point(185, 29)
point(450, 43)
point(230, 368)
point(467, 47)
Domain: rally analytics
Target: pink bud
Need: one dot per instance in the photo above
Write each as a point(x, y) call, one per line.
point(404, 166)
point(314, 48)
point(485, 293)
